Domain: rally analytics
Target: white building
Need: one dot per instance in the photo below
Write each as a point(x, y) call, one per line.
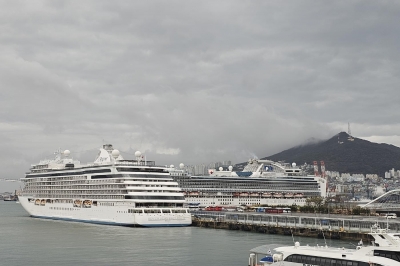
point(373, 177)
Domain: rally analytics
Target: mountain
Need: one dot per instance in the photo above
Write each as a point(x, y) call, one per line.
point(345, 156)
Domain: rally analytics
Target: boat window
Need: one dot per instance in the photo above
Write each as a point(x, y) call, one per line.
point(394, 255)
point(313, 260)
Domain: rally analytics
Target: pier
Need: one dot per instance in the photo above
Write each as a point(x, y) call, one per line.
point(297, 224)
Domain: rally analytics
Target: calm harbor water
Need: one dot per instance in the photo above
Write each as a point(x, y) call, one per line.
point(29, 241)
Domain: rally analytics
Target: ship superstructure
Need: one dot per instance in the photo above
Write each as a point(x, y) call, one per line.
point(110, 190)
point(260, 182)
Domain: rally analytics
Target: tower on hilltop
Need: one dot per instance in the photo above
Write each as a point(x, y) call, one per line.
point(350, 138)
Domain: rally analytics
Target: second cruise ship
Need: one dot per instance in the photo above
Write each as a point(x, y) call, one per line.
point(262, 182)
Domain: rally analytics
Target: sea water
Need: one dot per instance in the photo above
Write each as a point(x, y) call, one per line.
point(35, 242)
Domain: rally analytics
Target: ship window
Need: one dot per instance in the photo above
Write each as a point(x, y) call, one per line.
point(178, 211)
point(154, 170)
point(149, 197)
point(102, 176)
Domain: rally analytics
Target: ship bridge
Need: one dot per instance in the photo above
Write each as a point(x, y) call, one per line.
point(388, 201)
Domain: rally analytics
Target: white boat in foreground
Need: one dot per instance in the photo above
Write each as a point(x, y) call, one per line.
point(109, 191)
point(383, 251)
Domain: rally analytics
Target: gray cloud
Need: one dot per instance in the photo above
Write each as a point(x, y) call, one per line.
point(193, 82)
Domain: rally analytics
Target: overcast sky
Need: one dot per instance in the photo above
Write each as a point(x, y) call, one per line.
point(193, 81)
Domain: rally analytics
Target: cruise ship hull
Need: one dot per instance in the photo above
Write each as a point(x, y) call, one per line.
point(115, 215)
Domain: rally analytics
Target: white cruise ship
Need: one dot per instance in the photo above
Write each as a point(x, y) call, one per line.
point(109, 191)
point(261, 182)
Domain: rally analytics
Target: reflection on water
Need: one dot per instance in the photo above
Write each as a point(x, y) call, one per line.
point(29, 241)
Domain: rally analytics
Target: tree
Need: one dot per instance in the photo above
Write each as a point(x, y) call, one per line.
point(317, 202)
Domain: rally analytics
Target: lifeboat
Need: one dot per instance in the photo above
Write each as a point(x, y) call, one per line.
point(37, 202)
point(77, 203)
point(299, 195)
point(87, 204)
point(278, 195)
point(193, 193)
point(266, 195)
point(254, 194)
point(236, 194)
point(244, 194)
point(184, 193)
point(289, 195)
point(43, 202)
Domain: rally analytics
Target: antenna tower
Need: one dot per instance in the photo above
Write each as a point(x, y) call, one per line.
point(350, 138)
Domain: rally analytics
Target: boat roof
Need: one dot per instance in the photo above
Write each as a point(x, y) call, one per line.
point(264, 249)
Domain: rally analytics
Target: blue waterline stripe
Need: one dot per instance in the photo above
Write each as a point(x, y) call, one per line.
point(109, 223)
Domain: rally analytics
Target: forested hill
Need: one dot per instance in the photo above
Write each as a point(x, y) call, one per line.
point(345, 156)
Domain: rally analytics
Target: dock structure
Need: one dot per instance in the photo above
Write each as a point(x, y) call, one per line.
point(312, 225)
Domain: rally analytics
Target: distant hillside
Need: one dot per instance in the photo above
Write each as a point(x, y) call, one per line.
point(358, 156)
